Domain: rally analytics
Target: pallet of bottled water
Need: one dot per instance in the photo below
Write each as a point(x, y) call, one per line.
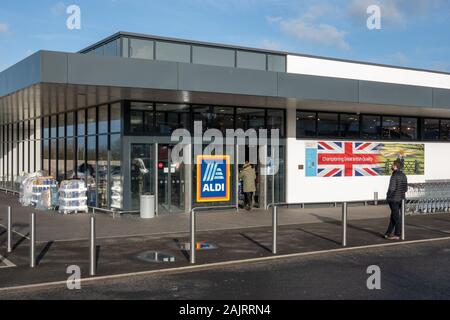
point(428, 197)
point(73, 197)
point(44, 193)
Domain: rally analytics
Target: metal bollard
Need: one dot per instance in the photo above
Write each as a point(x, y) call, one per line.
point(192, 237)
point(92, 250)
point(344, 224)
point(274, 229)
point(403, 218)
point(375, 198)
point(33, 241)
point(9, 249)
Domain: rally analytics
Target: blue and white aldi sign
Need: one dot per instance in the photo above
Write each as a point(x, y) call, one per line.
point(213, 178)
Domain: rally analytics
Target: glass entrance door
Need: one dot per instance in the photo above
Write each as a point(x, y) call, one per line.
point(171, 182)
point(142, 172)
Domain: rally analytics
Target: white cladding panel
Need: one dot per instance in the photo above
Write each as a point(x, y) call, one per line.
point(316, 189)
point(358, 71)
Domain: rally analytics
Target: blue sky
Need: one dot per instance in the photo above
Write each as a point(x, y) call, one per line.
point(414, 33)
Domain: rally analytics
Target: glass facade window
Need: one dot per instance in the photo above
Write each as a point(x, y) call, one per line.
point(46, 128)
point(136, 121)
point(213, 56)
point(91, 170)
point(275, 120)
point(276, 63)
point(125, 47)
point(81, 158)
point(409, 128)
point(370, 127)
point(61, 125)
point(306, 124)
point(102, 172)
point(61, 160)
point(169, 51)
point(116, 185)
point(103, 119)
point(116, 117)
point(391, 127)
point(46, 155)
point(92, 121)
point(251, 60)
point(70, 124)
point(111, 48)
point(98, 51)
point(250, 118)
point(141, 49)
point(141, 118)
point(328, 125)
point(170, 117)
point(445, 130)
point(81, 122)
point(53, 158)
point(430, 129)
point(54, 126)
point(70, 158)
point(222, 118)
point(349, 125)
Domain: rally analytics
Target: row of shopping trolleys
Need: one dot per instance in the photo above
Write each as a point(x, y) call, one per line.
point(428, 197)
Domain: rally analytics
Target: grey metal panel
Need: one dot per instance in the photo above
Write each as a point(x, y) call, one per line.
point(54, 67)
point(317, 88)
point(21, 75)
point(116, 71)
point(395, 94)
point(226, 80)
point(441, 98)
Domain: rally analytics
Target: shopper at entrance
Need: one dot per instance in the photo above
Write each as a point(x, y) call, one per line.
point(248, 177)
point(396, 193)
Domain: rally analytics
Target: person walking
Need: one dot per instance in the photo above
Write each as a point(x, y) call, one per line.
point(398, 186)
point(248, 177)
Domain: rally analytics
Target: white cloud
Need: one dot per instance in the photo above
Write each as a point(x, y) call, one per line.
point(309, 27)
point(323, 34)
point(4, 28)
point(274, 19)
point(58, 9)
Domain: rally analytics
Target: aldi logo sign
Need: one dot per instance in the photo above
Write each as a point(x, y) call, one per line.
point(213, 178)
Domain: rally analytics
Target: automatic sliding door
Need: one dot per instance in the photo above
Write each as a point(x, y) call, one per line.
point(142, 172)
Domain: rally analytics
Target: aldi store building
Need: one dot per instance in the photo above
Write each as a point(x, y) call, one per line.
point(106, 114)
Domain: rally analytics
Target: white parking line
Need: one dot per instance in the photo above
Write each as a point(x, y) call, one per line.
point(6, 262)
point(216, 265)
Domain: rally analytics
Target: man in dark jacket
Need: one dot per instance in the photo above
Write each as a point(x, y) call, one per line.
point(396, 193)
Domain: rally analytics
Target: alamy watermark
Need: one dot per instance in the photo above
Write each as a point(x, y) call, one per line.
point(73, 22)
point(374, 280)
point(74, 280)
point(263, 149)
point(374, 19)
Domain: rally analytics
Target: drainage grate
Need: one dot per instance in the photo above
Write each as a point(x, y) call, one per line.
point(155, 257)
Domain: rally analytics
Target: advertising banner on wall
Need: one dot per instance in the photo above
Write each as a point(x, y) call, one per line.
point(361, 159)
point(213, 178)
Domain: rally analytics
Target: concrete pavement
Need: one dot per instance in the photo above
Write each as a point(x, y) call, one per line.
point(418, 271)
point(52, 226)
point(236, 236)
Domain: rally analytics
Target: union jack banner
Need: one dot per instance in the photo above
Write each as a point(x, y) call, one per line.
point(346, 159)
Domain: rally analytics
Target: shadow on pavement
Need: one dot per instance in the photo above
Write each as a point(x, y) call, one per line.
point(43, 252)
point(255, 242)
